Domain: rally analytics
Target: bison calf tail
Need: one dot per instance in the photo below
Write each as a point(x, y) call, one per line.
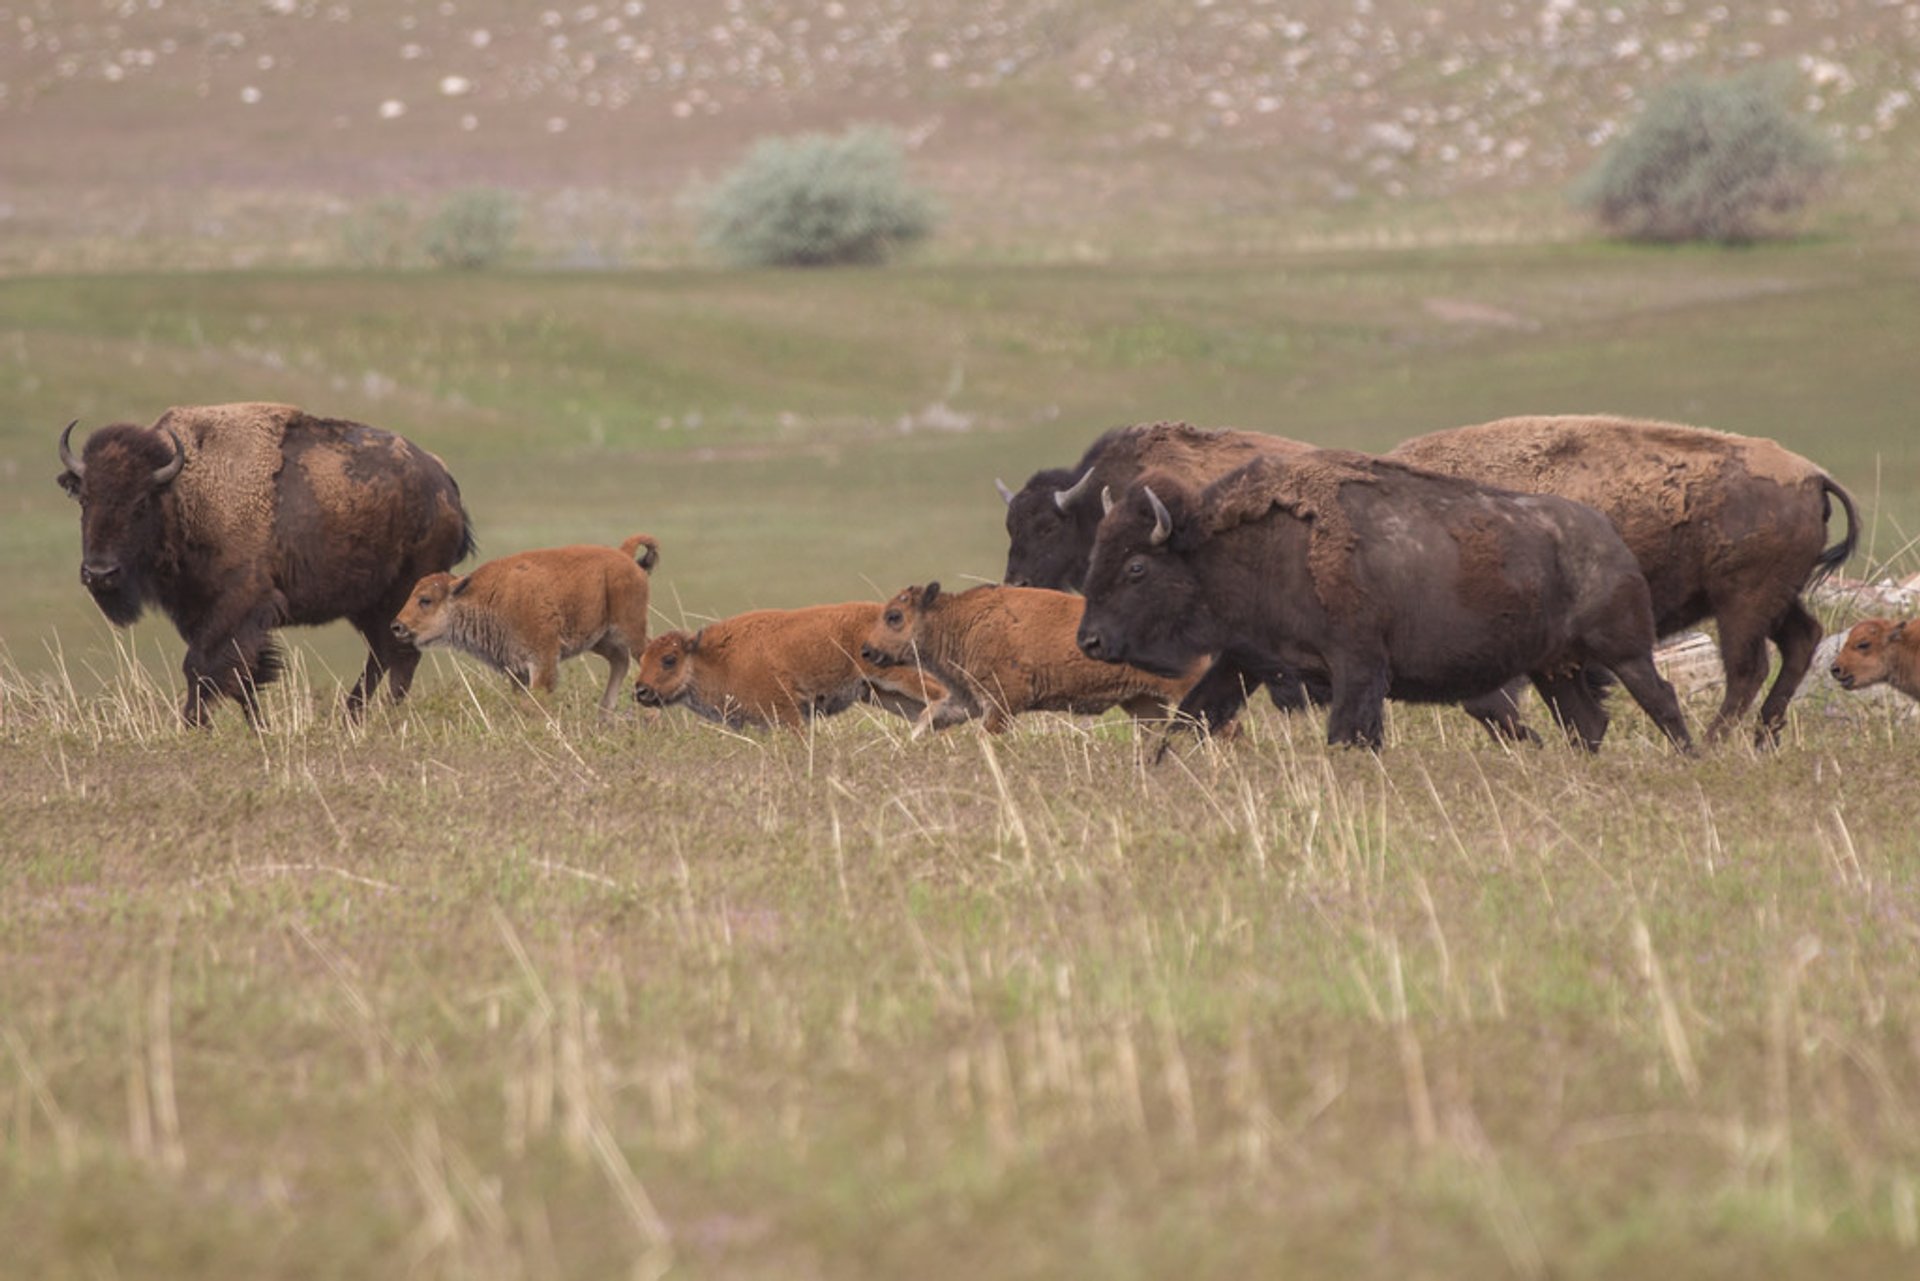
point(648, 559)
point(1832, 558)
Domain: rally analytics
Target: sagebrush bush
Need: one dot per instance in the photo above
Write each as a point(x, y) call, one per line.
point(379, 234)
point(818, 200)
point(473, 228)
point(1709, 160)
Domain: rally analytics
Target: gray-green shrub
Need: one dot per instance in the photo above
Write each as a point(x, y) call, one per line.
point(473, 228)
point(818, 200)
point(1709, 160)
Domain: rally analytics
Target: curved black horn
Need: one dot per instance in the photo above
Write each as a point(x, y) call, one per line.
point(1162, 522)
point(1106, 499)
point(1006, 495)
point(167, 471)
point(73, 464)
point(1062, 497)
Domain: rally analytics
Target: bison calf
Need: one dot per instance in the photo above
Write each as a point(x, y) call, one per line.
point(1012, 649)
point(524, 613)
point(1880, 650)
point(783, 667)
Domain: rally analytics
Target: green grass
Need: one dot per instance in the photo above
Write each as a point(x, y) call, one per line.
point(478, 990)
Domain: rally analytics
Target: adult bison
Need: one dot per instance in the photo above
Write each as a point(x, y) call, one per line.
point(1051, 520)
point(1731, 528)
point(238, 519)
point(1387, 580)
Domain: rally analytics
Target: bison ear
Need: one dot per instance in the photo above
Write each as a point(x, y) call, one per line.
point(693, 641)
point(69, 482)
point(928, 593)
point(460, 586)
point(1898, 628)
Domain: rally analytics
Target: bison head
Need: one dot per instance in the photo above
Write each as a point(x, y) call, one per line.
point(1867, 656)
point(426, 619)
point(121, 481)
point(666, 672)
point(1050, 525)
point(894, 638)
point(1145, 606)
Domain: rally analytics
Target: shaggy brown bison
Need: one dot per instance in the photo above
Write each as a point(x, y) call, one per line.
point(1725, 527)
point(1009, 650)
point(524, 614)
point(783, 667)
point(1389, 581)
point(238, 519)
point(1880, 650)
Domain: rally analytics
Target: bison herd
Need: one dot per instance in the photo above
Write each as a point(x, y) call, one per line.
point(1168, 572)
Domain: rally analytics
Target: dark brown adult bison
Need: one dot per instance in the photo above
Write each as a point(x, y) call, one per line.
point(238, 519)
point(1051, 521)
point(1731, 528)
point(1389, 581)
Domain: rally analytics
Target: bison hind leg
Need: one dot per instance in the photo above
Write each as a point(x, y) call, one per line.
point(1796, 635)
point(619, 660)
point(1290, 691)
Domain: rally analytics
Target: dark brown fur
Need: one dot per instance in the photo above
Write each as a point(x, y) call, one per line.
point(1731, 528)
point(1012, 650)
point(1049, 546)
point(782, 667)
point(524, 614)
point(274, 517)
point(1449, 590)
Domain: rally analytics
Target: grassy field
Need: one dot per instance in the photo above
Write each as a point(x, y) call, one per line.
point(479, 990)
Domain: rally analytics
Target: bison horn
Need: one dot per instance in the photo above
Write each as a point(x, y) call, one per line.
point(167, 471)
point(1006, 495)
point(73, 464)
point(1106, 499)
point(1062, 497)
point(1162, 522)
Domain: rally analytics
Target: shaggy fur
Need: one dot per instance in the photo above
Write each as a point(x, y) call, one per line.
point(274, 518)
point(783, 667)
point(525, 614)
point(1725, 527)
point(1456, 589)
point(1012, 650)
point(1880, 650)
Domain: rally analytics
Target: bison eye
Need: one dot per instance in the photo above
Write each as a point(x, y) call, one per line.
point(1136, 568)
point(424, 602)
point(668, 662)
point(893, 618)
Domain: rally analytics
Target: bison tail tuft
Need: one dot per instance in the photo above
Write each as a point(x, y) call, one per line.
point(1836, 555)
point(647, 559)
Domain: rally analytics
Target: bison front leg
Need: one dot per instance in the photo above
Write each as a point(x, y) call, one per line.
point(1656, 698)
point(235, 668)
point(1358, 716)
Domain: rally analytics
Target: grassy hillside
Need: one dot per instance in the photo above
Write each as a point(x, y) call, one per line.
point(218, 134)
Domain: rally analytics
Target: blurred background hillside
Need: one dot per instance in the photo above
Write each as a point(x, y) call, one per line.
point(207, 133)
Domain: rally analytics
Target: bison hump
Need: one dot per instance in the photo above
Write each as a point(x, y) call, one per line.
point(224, 495)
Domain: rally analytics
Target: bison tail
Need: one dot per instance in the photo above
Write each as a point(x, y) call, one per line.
point(647, 559)
point(269, 666)
point(1836, 555)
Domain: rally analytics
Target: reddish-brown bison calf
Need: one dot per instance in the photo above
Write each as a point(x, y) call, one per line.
point(783, 667)
point(1008, 650)
point(1880, 650)
point(523, 614)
